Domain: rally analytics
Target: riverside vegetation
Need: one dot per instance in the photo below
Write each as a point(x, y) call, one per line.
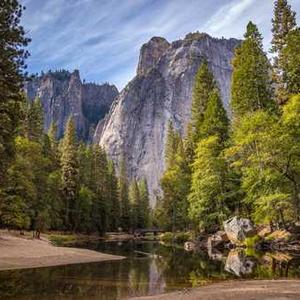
point(245, 165)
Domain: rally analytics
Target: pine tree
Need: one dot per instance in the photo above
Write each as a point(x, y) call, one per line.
point(34, 121)
point(12, 65)
point(207, 198)
point(284, 22)
point(100, 188)
point(113, 197)
point(172, 141)
point(291, 63)
point(204, 83)
point(124, 198)
point(70, 174)
point(135, 204)
point(215, 121)
point(251, 83)
point(145, 204)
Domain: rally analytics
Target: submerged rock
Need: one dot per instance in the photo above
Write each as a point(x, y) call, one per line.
point(238, 230)
point(238, 263)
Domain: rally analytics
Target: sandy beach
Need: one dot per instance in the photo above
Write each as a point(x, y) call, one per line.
point(244, 290)
point(24, 253)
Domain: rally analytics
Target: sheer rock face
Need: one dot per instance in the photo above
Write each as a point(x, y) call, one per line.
point(63, 95)
point(136, 126)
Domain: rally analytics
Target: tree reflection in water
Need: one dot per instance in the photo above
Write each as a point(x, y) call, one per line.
point(150, 268)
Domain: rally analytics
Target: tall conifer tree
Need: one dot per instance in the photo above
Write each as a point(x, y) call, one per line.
point(284, 21)
point(12, 65)
point(70, 174)
point(251, 83)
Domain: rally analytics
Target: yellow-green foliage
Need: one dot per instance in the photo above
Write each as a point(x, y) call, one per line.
point(250, 242)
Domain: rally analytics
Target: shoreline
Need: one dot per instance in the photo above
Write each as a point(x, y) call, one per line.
point(240, 289)
point(23, 253)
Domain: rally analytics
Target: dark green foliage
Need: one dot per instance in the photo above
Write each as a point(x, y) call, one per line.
point(215, 120)
point(70, 174)
point(291, 63)
point(251, 82)
point(124, 197)
point(12, 65)
point(204, 84)
point(284, 21)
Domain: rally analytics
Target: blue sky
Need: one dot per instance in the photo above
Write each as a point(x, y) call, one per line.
point(102, 38)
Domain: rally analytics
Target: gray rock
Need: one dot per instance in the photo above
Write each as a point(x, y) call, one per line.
point(63, 94)
point(136, 126)
point(238, 230)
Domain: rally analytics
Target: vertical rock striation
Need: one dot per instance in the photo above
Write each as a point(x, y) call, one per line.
point(161, 91)
point(63, 95)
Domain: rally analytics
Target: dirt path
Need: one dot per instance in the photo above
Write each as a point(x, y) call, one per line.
point(21, 253)
point(238, 290)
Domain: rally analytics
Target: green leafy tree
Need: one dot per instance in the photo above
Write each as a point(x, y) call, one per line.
point(70, 174)
point(284, 21)
point(251, 82)
point(12, 65)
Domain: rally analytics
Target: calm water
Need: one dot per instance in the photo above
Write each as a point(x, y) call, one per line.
point(149, 268)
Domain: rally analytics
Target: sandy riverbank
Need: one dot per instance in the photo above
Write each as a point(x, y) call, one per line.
point(24, 253)
point(246, 290)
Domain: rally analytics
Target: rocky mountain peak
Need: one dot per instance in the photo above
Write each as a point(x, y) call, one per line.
point(150, 54)
point(136, 127)
point(63, 94)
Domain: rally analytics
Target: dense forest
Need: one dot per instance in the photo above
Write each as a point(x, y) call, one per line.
point(246, 164)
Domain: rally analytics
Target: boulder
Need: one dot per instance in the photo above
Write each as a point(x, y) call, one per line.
point(238, 229)
point(238, 263)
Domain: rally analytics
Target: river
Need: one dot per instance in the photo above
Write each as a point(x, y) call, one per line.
point(149, 268)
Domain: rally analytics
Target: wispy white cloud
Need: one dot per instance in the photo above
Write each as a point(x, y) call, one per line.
point(102, 38)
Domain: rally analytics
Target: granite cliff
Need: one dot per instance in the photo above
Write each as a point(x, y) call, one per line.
point(63, 94)
point(161, 91)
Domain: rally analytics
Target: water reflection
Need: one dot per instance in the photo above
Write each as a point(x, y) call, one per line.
point(150, 268)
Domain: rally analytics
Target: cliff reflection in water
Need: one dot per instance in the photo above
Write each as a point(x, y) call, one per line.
point(150, 268)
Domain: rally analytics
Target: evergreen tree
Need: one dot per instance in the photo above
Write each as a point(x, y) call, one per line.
point(207, 198)
point(113, 197)
point(172, 141)
point(204, 83)
point(34, 121)
point(70, 174)
point(251, 83)
point(145, 204)
point(175, 184)
point(291, 63)
point(99, 185)
point(124, 198)
point(135, 204)
point(284, 21)
point(12, 65)
point(54, 152)
point(215, 121)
